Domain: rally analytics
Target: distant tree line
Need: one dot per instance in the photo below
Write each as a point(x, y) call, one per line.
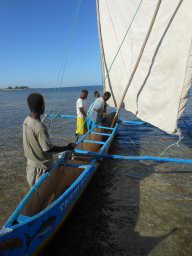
point(18, 87)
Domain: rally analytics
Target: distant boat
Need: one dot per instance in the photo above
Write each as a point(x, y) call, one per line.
point(146, 59)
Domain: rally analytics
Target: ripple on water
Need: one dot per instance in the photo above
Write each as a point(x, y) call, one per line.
point(129, 208)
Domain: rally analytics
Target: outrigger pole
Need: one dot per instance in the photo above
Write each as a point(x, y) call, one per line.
point(119, 157)
point(132, 158)
point(74, 117)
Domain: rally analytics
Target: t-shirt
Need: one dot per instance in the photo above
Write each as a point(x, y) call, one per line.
point(97, 105)
point(80, 104)
point(36, 142)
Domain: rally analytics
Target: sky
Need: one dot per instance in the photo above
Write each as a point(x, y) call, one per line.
point(40, 46)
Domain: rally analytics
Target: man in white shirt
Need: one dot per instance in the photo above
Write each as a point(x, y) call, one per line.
point(81, 127)
point(97, 110)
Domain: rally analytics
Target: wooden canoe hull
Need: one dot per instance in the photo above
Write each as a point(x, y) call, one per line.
point(48, 207)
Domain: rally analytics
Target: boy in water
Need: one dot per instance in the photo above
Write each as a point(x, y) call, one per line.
point(38, 148)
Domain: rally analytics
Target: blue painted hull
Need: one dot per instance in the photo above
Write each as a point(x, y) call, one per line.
point(28, 235)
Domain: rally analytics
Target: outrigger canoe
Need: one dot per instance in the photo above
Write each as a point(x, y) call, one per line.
point(147, 68)
point(48, 203)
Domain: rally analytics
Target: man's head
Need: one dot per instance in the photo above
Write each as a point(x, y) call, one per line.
point(36, 103)
point(96, 94)
point(106, 96)
point(84, 94)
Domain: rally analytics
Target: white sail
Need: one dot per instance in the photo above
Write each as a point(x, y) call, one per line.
point(160, 86)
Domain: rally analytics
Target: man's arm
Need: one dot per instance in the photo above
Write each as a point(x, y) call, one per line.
point(58, 149)
point(82, 112)
point(100, 111)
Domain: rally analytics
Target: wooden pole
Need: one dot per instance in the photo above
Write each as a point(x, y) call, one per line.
point(138, 60)
point(103, 59)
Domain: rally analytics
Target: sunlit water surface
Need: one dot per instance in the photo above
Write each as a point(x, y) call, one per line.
point(129, 208)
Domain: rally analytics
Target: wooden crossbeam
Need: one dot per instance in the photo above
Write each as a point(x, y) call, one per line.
point(101, 133)
point(94, 142)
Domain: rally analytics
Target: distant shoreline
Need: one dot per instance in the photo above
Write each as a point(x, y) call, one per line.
point(41, 88)
point(16, 88)
point(13, 90)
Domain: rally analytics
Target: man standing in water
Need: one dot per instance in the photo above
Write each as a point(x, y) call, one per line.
point(38, 148)
point(81, 114)
point(97, 110)
point(96, 94)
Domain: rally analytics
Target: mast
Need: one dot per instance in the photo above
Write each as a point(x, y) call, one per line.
point(103, 59)
point(138, 60)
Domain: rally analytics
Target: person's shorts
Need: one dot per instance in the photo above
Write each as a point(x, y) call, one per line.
point(81, 125)
point(33, 174)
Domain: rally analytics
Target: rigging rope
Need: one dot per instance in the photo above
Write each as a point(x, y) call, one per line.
point(63, 66)
point(124, 36)
point(139, 57)
point(65, 60)
point(174, 144)
point(118, 44)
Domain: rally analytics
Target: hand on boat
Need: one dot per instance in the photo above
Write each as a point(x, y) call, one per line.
point(71, 146)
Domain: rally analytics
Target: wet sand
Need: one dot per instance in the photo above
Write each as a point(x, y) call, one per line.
point(13, 185)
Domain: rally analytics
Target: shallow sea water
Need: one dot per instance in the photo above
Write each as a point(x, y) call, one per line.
point(129, 208)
